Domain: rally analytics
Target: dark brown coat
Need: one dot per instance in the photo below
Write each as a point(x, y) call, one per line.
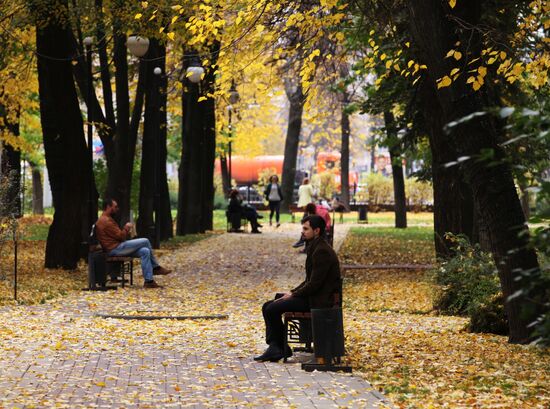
point(322, 275)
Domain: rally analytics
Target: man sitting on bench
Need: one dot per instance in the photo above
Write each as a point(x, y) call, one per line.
point(317, 291)
point(114, 242)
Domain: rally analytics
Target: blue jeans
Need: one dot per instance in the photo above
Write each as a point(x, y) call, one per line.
point(138, 248)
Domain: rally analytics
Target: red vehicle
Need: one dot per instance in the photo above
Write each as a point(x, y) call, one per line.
point(245, 170)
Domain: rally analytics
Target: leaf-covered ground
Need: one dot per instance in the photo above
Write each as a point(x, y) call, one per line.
point(418, 358)
point(36, 284)
point(393, 337)
point(61, 354)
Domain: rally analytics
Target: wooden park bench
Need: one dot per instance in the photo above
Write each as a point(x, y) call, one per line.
point(293, 209)
point(99, 264)
point(235, 221)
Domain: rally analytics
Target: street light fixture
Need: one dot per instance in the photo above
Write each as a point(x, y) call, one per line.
point(194, 71)
point(137, 45)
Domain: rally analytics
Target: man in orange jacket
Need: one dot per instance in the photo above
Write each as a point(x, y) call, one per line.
point(114, 242)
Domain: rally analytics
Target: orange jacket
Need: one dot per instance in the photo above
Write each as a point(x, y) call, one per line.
point(108, 233)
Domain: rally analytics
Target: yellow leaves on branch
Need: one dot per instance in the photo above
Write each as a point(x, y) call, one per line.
point(444, 82)
point(454, 53)
point(452, 3)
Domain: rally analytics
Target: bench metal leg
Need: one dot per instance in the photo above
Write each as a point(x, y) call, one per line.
point(285, 342)
point(132, 272)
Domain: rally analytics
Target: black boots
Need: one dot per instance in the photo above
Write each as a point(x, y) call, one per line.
point(274, 353)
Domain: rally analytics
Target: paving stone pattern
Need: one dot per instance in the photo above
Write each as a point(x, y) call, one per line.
point(62, 355)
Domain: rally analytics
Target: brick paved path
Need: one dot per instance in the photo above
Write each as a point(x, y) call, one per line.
point(62, 355)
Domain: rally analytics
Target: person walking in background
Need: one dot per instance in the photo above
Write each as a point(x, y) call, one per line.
point(305, 193)
point(274, 196)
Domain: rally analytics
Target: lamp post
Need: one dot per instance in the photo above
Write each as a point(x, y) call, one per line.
point(156, 90)
point(233, 99)
point(88, 41)
point(230, 128)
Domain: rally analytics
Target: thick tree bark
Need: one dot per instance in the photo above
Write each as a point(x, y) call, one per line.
point(209, 154)
point(69, 166)
point(525, 200)
point(296, 99)
point(165, 216)
point(372, 153)
point(149, 156)
point(123, 150)
point(106, 130)
point(453, 198)
point(399, 199)
point(196, 171)
point(37, 190)
point(344, 158)
point(10, 167)
point(226, 184)
point(492, 183)
point(104, 65)
point(190, 175)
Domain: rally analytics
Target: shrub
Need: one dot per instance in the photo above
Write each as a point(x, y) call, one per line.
point(533, 281)
point(418, 192)
point(380, 189)
point(325, 182)
point(468, 285)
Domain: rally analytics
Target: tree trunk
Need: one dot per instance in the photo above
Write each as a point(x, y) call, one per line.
point(296, 99)
point(372, 153)
point(150, 150)
point(525, 200)
point(67, 159)
point(492, 183)
point(209, 153)
point(123, 149)
point(11, 167)
point(399, 199)
point(104, 65)
point(226, 184)
point(165, 211)
point(196, 171)
point(37, 190)
point(106, 130)
point(453, 198)
point(344, 158)
point(190, 170)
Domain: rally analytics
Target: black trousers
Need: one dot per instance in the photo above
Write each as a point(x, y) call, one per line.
point(274, 207)
point(273, 311)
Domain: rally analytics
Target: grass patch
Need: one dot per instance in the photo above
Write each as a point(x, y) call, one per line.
point(386, 245)
point(410, 233)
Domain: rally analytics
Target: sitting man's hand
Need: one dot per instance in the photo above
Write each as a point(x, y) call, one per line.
point(128, 226)
point(285, 297)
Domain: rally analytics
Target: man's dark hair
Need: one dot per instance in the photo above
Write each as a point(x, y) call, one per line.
point(316, 222)
point(311, 209)
point(108, 201)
